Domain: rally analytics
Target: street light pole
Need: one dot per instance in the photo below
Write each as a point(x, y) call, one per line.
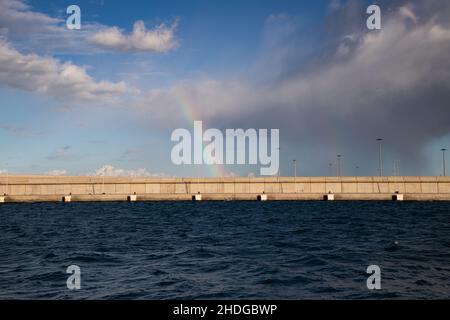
point(396, 168)
point(278, 173)
point(380, 159)
point(295, 168)
point(295, 175)
point(443, 161)
point(339, 165)
point(103, 180)
point(279, 166)
point(7, 178)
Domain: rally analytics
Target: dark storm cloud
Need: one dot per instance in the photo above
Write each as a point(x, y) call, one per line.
point(393, 83)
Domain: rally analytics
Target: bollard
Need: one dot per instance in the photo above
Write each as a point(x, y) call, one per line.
point(262, 197)
point(397, 197)
point(197, 197)
point(328, 197)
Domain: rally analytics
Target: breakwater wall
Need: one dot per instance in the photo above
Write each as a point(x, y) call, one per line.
point(15, 188)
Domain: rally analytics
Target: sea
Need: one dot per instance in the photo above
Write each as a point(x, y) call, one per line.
point(225, 250)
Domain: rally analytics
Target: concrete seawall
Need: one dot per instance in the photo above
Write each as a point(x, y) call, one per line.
point(16, 188)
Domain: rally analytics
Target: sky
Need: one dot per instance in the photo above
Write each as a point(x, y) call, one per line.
point(105, 99)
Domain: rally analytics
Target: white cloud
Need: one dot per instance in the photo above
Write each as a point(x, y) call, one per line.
point(160, 39)
point(407, 12)
point(29, 29)
point(110, 171)
point(203, 100)
point(56, 172)
point(51, 77)
point(17, 18)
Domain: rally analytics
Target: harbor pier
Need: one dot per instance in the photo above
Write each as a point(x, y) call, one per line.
point(33, 188)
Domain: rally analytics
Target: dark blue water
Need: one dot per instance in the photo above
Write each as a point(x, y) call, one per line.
point(225, 250)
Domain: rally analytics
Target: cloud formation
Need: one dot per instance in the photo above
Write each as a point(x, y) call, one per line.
point(160, 39)
point(41, 33)
point(17, 18)
point(110, 171)
point(393, 83)
point(49, 76)
point(57, 172)
point(32, 31)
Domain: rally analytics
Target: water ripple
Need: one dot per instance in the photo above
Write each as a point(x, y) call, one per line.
point(225, 250)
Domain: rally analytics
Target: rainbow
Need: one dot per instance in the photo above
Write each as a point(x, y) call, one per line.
point(187, 107)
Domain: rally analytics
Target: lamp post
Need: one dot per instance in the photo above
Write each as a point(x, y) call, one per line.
point(197, 171)
point(331, 168)
point(396, 168)
point(279, 166)
point(279, 172)
point(380, 159)
point(443, 161)
point(103, 180)
point(295, 174)
point(7, 179)
point(339, 165)
point(295, 168)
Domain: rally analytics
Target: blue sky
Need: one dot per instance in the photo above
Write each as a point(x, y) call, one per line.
point(311, 69)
